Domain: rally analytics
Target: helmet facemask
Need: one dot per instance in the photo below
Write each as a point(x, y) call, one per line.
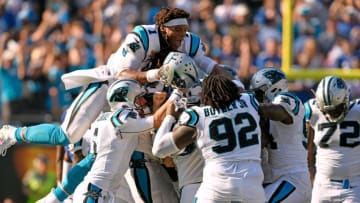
point(332, 98)
point(139, 101)
point(259, 94)
point(335, 113)
point(270, 93)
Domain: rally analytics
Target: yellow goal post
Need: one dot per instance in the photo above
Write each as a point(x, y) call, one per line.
point(287, 42)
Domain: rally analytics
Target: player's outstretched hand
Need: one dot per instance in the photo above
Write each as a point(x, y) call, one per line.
point(174, 110)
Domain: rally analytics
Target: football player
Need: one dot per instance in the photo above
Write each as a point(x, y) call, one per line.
point(183, 71)
point(189, 162)
point(288, 179)
point(334, 138)
point(227, 132)
point(139, 57)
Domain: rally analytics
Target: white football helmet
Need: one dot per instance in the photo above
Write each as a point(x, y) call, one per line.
point(333, 97)
point(124, 92)
point(267, 83)
point(179, 71)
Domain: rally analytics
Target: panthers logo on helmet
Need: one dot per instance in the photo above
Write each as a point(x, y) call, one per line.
point(179, 71)
point(274, 76)
point(267, 83)
point(119, 95)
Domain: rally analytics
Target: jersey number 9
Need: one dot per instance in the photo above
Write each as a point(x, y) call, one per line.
point(244, 140)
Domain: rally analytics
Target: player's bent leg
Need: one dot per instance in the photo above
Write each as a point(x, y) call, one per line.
point(74, 177)
point(84, 110)
point(244, 186)
point(140, 177)
point(323, 190)
point(72, 180)
point(279, 191)
point(123, 194)
point(162, 188)
point(50, 134)
point(152, 182)
point(292, 188)
point(336, 190)
point(188, 192)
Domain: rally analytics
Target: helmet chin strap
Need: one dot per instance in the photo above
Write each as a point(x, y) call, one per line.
point(331, 119)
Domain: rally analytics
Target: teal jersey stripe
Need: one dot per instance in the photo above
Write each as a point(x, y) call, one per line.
point(253, 102)
point(308, 111)
point(144, 37)
point(194, 44)
point(194, 117)
point(115, 118)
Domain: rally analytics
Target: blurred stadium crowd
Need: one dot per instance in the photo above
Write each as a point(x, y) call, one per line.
point(40, 40)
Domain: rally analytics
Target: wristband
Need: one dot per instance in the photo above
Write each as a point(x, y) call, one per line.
point(152, 75)
point(175, 95)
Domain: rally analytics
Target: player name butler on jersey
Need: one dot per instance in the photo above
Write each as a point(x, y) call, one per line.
point(232, 129)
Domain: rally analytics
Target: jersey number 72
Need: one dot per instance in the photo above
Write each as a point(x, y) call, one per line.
point(345, 137)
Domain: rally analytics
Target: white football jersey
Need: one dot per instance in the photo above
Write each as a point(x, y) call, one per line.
point(286, 152)
point(337, 143)
point(229, 141)
point(115, 137)
point(230, 134)
point(142, 45)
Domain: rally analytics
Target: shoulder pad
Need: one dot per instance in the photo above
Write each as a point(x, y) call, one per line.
point(120, 116)
point(308, 110)
point(189, 118)
point(194, 43)
point(250, 97)
point(354, 104)
point(289, 101)
point(141, 32)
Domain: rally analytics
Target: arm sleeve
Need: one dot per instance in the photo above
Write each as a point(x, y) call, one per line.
point(197, 50)
point(140, 125)
point(205, 63)
point(164, 144)
point(290, 103)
